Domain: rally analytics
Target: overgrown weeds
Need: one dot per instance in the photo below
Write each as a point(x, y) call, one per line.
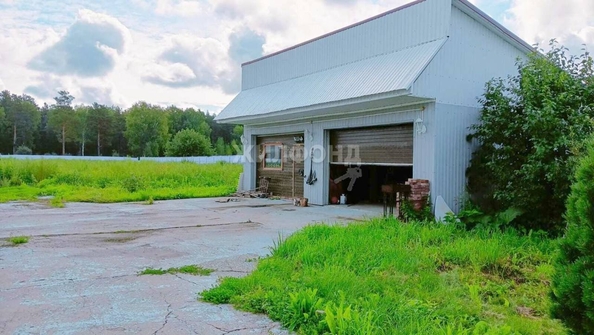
point(383, 277)
point(57, 202)
point(106, 182)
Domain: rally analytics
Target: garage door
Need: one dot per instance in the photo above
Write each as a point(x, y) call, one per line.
point(390, 145)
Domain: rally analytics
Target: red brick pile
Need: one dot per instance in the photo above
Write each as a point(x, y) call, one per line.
point(419, 192)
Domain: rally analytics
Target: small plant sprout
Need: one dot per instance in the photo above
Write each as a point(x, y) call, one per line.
point(16, 240)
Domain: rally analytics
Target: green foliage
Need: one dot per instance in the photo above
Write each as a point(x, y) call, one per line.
point(57, 202)
point(190, 118)
point(385, 277)
point(63, 121)
point(473, 218)
point(303, 309)
point(531, 126)
point(100, 130)
point(99, 122)
point(147, 130)
point(16, 240)
point(573, 283)
point(194, 270)
point(187, 143)
point(150, 201)
point(132, 183)
point(21, 120)
point(409, 213)
point(23, 150)
point(105, 181)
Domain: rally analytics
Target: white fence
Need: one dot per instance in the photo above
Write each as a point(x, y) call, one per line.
point(198, 160)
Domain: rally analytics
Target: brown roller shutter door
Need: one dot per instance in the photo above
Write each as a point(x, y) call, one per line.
point(390, 145)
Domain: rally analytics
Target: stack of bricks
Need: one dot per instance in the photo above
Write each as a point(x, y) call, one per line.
point(419, 192)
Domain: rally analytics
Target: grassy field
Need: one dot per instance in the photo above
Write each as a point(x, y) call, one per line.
point(384, 277)
point(102, 181)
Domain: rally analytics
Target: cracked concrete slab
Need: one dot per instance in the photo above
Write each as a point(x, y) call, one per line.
point(78, 273)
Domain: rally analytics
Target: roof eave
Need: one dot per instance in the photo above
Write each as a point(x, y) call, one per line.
point(306, 111)
point(477, 14)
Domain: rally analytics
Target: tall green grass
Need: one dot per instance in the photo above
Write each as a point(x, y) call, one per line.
point(104, 181)
point(384, 277)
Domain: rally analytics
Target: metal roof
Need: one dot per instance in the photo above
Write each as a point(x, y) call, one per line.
point(463, 5)
point(392, 72)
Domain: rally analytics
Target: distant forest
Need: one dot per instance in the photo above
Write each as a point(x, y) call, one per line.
point(64, 128)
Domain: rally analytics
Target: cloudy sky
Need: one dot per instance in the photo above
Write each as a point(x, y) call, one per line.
point(188, 52)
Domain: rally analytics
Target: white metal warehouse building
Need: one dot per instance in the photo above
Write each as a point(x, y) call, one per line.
point(402, 87)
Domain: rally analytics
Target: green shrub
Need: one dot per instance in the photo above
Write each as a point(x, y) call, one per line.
point(531, 127)
point(189, 142)
point(23, 150)
point(409, 213)
point(573, 283)
point(132, 184)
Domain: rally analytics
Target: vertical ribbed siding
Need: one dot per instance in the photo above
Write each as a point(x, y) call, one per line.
point(421, 23)
point(453, 152)
point(472, 56)
point(456, 78)
point(424, 147)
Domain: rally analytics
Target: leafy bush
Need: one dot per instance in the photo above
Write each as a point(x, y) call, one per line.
point(409, 213)
point(23, 150)
point(573, 283)
point(187, 143)
point(132, 184)
point(531, 127)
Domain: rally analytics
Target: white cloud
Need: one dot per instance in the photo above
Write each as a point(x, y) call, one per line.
point(187, 52)
point(89, 48)
point(180, 7)
point(569, 21)
point(189, 61)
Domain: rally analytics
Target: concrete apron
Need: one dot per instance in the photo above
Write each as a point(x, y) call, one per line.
point(78, 273)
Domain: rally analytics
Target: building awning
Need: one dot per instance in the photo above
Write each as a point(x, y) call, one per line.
point(379, 77)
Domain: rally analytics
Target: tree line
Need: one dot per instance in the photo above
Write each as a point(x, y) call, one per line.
point(100, 130)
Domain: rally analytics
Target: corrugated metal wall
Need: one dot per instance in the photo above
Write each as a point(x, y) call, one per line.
point(421, 23)
point(472, 56)
point(456, 78)
point(452, 152)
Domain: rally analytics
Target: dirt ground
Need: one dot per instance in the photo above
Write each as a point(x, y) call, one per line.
point(78, 274)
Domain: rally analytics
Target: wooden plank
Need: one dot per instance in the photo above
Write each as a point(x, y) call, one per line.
point(285, 182)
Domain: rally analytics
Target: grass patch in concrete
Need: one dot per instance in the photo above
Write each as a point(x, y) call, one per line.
point(120, 239)
point(16, 240)
point(150, 201)
point(108, 182)
point(194, 270)
point(385, 277)
point(57, 202)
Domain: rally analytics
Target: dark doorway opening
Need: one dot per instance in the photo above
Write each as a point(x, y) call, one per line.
point(367, 188)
